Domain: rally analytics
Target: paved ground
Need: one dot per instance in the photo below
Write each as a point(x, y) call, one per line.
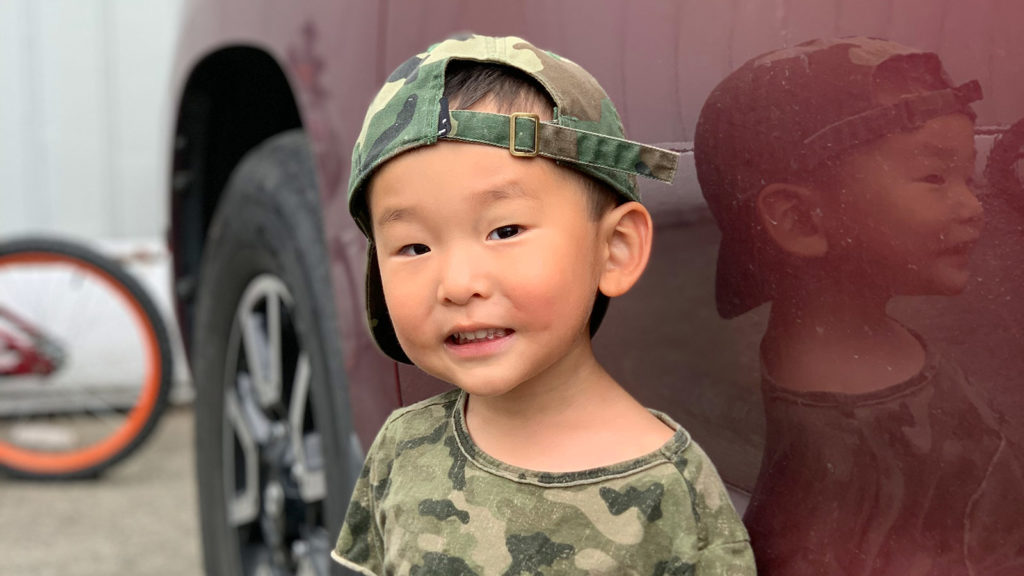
point(140, 518)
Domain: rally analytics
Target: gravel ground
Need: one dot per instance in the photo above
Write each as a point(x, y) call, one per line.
point(139, 518)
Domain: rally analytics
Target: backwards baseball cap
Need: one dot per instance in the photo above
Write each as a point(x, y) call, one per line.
point(784, 113)
point(410, 111)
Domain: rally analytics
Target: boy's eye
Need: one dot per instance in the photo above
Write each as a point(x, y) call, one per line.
point(504, 232)
point(414, 250)
point(935, 179)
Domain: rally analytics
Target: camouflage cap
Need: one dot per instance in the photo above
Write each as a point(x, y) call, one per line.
point(410, 111)
point(784, 113)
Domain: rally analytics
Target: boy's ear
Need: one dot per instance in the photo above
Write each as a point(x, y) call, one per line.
point(626, 231)
point(793, 218)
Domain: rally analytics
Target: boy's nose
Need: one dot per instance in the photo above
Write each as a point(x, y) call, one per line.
point(969, 208)
point(462, 279)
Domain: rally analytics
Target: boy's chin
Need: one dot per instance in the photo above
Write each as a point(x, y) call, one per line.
point(477, 382)
point(486, 389)
point(948, 283)
point(952, 289)
point(953, 281)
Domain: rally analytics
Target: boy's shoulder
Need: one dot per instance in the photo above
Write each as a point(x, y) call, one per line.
point(505, 516)
point(429, 421)
point(432, 407)
point(422, 418)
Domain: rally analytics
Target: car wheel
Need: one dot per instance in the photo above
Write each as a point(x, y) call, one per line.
point(276, 455)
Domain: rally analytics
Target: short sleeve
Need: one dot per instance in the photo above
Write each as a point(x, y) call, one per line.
point(360, 545)
point(727, 558)
point(724, 542)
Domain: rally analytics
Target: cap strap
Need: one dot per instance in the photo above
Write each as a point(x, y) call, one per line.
point(909, 112)
point(526, 135)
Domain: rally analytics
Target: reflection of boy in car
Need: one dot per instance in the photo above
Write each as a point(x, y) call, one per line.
point(491, 271)
point(840, 175)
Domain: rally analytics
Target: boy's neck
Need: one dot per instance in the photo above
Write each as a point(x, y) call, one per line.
point(838, 341)
point(568, 422)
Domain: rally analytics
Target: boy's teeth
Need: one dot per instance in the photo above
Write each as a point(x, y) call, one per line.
point(488, 334)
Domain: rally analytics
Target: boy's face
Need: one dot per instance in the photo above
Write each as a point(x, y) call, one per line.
point(490, 264)
point(907, 217)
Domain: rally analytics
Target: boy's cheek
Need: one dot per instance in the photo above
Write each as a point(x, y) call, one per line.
point(550, 270)
point(405, 295)
point(552, 294)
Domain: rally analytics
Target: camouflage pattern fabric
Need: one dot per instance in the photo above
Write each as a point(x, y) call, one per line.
point(585, 133)
point(783, 113)
point(429, 502)
point(914, 480)
point(410, 111)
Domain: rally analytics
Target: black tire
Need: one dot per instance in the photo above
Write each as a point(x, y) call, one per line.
point(264, 503)
point(109, 382)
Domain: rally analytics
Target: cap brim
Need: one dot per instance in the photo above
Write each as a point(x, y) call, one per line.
point(739, 287)
point(377, 315)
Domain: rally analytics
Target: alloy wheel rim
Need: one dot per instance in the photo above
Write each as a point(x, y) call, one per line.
point(274, 477)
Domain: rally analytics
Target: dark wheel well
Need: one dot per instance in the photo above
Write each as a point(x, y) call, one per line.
point(234, 99)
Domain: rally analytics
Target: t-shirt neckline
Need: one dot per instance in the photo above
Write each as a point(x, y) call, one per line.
point(664, 454)
point(771, 387)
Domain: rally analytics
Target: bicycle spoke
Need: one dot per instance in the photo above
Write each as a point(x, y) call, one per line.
point(93, 360)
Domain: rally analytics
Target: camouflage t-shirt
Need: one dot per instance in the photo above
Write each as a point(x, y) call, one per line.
point(430, 502)
point(914, 479)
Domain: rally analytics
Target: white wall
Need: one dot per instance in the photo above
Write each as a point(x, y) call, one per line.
point(83, 99)
point(84, 96)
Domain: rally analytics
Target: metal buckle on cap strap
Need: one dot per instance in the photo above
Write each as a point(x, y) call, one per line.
point(563, 143)
point(512, 134)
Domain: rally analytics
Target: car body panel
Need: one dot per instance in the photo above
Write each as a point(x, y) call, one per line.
point(658, 60)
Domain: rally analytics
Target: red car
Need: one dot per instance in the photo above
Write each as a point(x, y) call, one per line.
point(268, 100)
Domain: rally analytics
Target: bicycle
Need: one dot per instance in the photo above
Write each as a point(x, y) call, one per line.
point(85, 360)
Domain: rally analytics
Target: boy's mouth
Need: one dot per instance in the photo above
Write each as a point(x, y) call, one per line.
point(960, 248)
point(480, 335)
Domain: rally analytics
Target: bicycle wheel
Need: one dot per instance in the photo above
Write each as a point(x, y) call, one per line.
point(84, 360)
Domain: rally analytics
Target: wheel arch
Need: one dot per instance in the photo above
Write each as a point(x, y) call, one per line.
point(233, 99)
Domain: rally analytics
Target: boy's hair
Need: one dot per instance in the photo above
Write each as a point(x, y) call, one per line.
point(509, 90)
point(412, 110)
point(788, 116)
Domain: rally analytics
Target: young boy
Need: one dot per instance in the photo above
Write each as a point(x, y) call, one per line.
point(497, 190)
point(839, 172)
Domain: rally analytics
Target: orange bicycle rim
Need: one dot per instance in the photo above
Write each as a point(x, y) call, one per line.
point(88, 456)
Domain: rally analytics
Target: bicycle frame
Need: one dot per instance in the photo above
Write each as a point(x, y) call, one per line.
point(25, 349)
